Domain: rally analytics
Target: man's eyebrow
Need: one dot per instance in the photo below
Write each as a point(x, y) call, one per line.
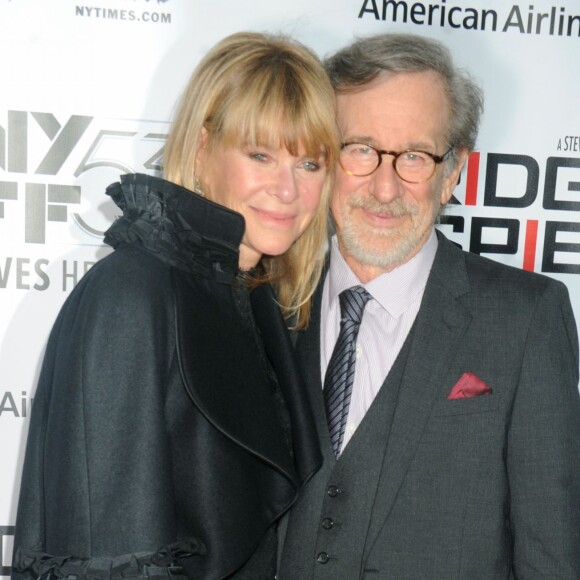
point(422, 146)
point(361, 139)
point(412, 146)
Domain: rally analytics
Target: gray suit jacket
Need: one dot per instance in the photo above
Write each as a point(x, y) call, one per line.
point(483, 487)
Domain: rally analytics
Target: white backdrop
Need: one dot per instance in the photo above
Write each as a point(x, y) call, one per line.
point(88, 91)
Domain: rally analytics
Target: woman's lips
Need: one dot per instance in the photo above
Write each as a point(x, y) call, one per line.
point(275, 217)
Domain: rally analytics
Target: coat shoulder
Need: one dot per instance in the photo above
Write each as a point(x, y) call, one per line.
point(487, 276)
point(127, 298)
point(128, 275)
point(515, 285)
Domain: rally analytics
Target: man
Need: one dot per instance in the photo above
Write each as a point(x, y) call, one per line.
point(459, 453)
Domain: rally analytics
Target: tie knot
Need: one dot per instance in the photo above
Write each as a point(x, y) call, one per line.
point(352, 303)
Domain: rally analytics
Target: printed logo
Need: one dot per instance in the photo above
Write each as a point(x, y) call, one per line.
point(53, 176)
point(510, 19)
point(6, 543)
point(127, 15)
point(55, 172)
point(15, 404)
point(512, 185)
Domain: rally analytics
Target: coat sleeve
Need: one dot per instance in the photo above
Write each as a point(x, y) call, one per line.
point(97, 477)
point(543, 452)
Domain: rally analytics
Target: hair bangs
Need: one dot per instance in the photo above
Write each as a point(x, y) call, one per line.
point(273, 109)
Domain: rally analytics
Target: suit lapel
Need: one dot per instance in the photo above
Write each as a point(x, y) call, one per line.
point(440, 324)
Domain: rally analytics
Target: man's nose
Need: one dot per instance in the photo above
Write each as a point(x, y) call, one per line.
point(385, 183)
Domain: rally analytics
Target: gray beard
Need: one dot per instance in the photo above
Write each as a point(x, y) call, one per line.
point(352, 237)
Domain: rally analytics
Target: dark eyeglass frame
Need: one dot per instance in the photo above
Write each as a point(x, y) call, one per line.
point(396, 154)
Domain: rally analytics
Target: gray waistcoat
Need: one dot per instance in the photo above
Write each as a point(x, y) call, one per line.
point(327, 529)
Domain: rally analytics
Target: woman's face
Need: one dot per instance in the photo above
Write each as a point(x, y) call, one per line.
point(276, 192)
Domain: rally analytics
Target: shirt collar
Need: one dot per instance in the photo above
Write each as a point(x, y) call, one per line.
point(393, 290)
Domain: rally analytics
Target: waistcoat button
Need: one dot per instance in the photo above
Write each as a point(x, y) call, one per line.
point(322, 558)
point(327, 523)
point(333, 491)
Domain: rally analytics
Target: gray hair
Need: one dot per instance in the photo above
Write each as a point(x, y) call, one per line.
point(367, 59)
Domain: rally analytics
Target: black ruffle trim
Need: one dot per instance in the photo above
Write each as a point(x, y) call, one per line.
point(185, 230)
point(161, 564)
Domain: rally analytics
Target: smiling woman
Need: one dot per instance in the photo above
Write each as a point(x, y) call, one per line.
point(256, 102)
point(170, 429)
point(276, 192)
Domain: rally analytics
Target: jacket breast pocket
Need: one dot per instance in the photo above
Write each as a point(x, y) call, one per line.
point(480, 404)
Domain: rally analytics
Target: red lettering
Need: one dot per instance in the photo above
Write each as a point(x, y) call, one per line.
point(472, 179)
point(530, 245)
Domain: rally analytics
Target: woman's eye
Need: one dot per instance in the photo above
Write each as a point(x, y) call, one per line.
point(258, 156)
point(311, 166)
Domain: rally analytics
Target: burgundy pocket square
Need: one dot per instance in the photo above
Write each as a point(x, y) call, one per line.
point(469, 386)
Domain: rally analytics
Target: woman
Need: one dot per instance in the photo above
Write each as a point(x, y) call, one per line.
point(169, 430)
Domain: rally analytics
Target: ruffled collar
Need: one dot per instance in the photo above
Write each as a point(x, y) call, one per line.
point(182, 228)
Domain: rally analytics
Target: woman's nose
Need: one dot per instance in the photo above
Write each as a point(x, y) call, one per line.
point(284, 185)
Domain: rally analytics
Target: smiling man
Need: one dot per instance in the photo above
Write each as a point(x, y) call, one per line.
point(445, 384)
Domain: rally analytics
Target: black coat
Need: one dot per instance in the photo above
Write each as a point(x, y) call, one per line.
point(158, 429)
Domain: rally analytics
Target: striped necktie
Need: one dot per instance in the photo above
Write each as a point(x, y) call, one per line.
point(340, 372)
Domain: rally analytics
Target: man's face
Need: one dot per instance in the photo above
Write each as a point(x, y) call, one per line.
point(381, 220)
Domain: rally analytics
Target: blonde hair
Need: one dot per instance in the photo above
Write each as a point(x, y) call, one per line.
point(254, 88)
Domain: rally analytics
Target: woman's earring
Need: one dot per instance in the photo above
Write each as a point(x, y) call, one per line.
point(197, 187)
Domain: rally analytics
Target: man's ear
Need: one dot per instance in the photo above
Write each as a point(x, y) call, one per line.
point(450, 181)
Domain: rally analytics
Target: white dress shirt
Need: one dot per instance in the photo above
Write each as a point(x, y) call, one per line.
point(386, 322)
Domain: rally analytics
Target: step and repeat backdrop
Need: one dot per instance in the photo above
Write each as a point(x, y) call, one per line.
point(88, 91)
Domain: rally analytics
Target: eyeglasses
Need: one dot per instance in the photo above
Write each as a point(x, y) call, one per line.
point(360, 160)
